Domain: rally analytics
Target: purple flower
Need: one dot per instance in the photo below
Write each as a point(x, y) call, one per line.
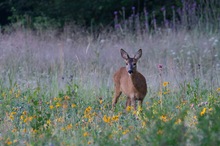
point(133, 8)
point(162, 9)
point(115, 12)
point(159, 66)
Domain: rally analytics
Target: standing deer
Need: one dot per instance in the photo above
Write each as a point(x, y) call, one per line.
point(129, 81)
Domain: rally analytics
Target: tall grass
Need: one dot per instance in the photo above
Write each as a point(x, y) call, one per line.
point(56, 88)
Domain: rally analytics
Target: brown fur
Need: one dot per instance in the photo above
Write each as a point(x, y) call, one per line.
point(133, 86)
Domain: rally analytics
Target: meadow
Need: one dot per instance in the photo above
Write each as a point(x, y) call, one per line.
point(56, 87)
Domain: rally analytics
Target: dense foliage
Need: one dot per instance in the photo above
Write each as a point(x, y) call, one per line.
point(84, 12)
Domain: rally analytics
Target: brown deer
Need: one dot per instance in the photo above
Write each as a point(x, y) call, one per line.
point(129, 81)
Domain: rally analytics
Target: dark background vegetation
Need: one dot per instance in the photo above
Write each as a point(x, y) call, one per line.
point(83, 12)
point(98, 13)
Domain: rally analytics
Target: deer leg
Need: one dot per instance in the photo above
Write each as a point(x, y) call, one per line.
point(140, 102)
point(133, 103)
point(116, 96)
point(128, 102)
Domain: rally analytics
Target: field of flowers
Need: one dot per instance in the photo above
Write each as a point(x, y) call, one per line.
point(58, 90)
point(188, 116)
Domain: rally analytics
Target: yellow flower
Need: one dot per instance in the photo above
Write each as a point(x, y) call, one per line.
point(125, 131)
point(89, 142)
point(73, 105)
point(69, 126)
point(60, 119)
point(178, 121)
point(106, 119)
point(85, 134)
point(24, 130)
point(24, 112)
point(203, 111)
point(165, 84)
point(115, 118)
point(63, 129)
point(66, 97)
point(143, 124)
point(100, 101)
point(14, 130)
point(218, 89)
point(3, 94)
point(18, 94)
point(166, 92)
point(58, 104)
point(30, 118)
point(87, 110)
point(65, 105)
point(159, 132)
point(9, 142)
point(164, 118)
point(22, 117)
point(26, 120)
point(51, 106)
point(49, 122)
point(128, 108)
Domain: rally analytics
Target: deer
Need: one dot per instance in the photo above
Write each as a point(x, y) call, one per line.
point(129, 81)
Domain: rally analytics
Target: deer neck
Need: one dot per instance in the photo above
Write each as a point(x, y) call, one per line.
point(133, 78)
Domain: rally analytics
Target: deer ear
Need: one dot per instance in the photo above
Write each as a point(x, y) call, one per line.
point(124, 54)
point(138, 54)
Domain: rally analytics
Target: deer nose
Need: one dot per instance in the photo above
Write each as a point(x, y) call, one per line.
point(130, 71)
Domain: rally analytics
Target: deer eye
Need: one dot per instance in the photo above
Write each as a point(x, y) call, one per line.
point(134, 64)
point(126, 63)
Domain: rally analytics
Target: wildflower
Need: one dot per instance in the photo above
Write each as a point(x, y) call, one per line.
point(115, 118)
point(165, 84)
point(18, 94)
point(106, 119)
point(159, 132)
point(85, 134)
point(11, 116)
point(87, 110)
point(69, 126)
point(143, 124)
point(73, 105)
point(218, 89)
point(65, 105)
point(166, 92)
point(164, 118)
point(203, 112)
point(125, 131)
point(63, 128)
point(128, 108)
point(26, 120)
point(51, 106)
point(89, 142)
point(66, 97)
point(24, 112)
point(8, 142)
point(58, 104)
point(160, 66)
point(33, 130)
point(3, 94)
point(178, 121)
point(49, 122)
point(100, 101)
point(14, 130)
